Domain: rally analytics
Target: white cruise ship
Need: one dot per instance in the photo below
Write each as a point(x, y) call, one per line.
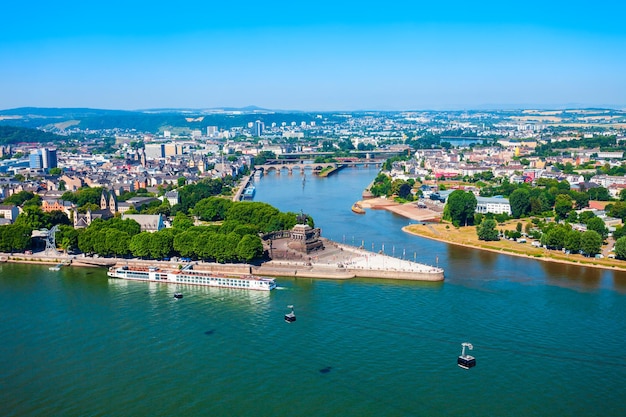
point(189, 276)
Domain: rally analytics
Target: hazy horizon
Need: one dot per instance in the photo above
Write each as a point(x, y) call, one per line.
point(253, 108)
point(313, 57)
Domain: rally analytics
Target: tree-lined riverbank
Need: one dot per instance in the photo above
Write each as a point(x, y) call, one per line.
point(467, 237)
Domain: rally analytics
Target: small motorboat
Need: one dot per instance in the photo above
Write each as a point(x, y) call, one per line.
point(290, 317)
point(178, 295)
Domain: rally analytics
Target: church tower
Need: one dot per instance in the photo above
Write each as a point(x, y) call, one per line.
point(112, 203)
point(103, 200)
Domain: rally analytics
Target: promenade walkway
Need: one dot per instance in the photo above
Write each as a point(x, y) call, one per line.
point(242, 186)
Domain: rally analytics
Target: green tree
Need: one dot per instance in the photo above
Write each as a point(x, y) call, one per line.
point(140, 245)
point(212, 208)
point(161, 244)
point(129, 226)
point(520, 203)
point(68, 237)
point(540, 203)
point(14, 238)
point(599, 193)
point(617, 210)
point(381, 185)
point(404, 191)
point(246, 229)
point(585, 216)
point(86, 240)
point(562, 206)
point(620, 248)
point(184, 243)
point(555, 237)
point(572, 241)
point(581, 200)
point(182, 222)
point(33, 218)
point(229, 248)
point(117, 242)
point(263, 156)
point(598, 225)
point(486, 230)
point(19, 198)
point(460, 208)
point(263, 215)
point(591, 242)
point(84, 195)
point(204, 245)
point(572, 217)
point(249, 248)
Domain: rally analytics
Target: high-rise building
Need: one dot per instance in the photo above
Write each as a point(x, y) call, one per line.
point(49, 158)
point(35, 161)
point(257, 128)
point(211, 131)
point(44, 158)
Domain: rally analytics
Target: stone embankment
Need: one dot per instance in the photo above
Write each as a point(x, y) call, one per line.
point(245, 181)
point(335, 261)
point(36, 258)
point(339, 261)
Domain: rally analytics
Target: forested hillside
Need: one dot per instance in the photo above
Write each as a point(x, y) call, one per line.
point(12, 135)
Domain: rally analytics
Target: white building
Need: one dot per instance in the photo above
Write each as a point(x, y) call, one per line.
point(9, 212)
point(495, 205)
point(607, 180)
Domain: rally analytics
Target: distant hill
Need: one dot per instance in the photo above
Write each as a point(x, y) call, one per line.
point(60, 112)
point(12, 135)
point(42, 117)
point(147, 120)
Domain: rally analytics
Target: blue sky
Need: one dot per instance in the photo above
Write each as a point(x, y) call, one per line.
point(319, 55)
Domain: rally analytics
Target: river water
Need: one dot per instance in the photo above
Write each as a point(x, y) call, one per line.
point(548, 338)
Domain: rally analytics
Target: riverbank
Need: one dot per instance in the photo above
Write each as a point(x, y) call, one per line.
point(334, 261)
point(409, 210)
point(466, 237)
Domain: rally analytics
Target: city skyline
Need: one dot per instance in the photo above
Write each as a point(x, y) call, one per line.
point(319, 57)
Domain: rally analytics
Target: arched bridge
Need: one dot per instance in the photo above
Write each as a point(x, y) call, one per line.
point(315, 167)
